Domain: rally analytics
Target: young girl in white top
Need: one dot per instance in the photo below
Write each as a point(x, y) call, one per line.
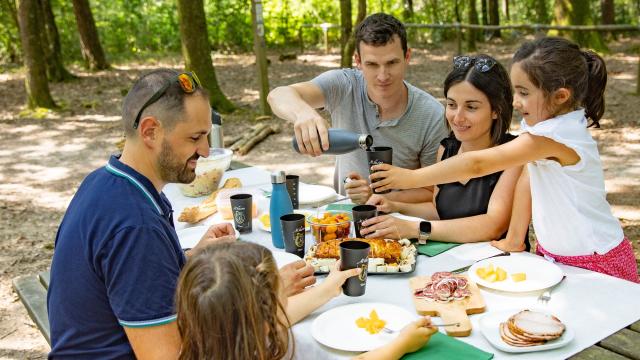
point(557, 88)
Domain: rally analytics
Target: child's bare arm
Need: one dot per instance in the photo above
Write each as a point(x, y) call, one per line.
point(520, 216)
point(473, 164)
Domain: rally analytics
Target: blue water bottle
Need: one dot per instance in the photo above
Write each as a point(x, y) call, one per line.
point(280, 205)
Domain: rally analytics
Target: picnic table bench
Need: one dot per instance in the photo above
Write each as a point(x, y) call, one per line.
point(32, 290)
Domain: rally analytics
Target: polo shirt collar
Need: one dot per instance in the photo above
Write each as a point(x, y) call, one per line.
point(117, 168)
point(392, 122)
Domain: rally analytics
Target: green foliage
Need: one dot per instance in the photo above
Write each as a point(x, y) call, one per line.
point(9, 34)
point(132, 29)
point(127, 28)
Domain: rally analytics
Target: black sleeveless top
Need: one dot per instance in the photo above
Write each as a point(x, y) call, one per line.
point(455, 200)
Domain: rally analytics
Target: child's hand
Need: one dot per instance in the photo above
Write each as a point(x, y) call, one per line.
point(382, 203)
point(389, 177)
point(509, 246)
point(415, 335)
point(333, 282)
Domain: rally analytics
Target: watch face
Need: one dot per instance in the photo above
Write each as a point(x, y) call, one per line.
point(425, 227)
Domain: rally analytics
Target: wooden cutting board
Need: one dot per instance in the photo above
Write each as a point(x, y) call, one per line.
point(455, 311)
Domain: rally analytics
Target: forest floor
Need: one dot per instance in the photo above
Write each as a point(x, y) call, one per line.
point(45, 155)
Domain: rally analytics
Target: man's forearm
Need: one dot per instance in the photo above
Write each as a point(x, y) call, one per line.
point(287, 104)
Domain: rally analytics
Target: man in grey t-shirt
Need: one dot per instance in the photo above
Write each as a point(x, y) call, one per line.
point(375, 100)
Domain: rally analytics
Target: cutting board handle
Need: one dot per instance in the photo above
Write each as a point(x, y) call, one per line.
point(455, 314)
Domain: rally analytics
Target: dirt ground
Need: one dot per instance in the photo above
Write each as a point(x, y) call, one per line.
point(45, 156)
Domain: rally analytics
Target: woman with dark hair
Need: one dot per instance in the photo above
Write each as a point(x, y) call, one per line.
point(478, 115)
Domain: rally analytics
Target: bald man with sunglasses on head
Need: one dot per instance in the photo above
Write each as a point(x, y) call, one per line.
point(117, 256)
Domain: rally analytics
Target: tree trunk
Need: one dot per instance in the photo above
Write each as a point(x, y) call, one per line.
point(36, 78)
point(89, 40)
point(608, 12)
point(607, 9)
point(456, 11)
point(542, 17)
point(483, 8)
point(260, 50)
point(494, 17)
point(471, 33)
point(408, 10)
point(197, 51)
point(51, 45)
point(506, 9)
point(578, 12)
point(362, 12)
point(345, 35)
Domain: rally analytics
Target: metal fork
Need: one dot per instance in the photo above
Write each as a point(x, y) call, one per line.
point(546, 295)
point(389, 331)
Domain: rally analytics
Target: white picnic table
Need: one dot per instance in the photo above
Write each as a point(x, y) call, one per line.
point(593, 305)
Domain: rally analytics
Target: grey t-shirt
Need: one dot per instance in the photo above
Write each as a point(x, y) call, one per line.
point(415, 136)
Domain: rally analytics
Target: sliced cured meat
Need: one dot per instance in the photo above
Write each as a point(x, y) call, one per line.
point(512, 340)
point(538, 324)
point(440, 275)
point(529, 328)
point(444, 287)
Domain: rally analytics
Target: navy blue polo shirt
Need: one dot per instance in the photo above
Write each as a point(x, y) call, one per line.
point(116, 263)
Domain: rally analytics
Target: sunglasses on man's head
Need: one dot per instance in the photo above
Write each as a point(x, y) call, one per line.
point(188, 82)
point(481, 64)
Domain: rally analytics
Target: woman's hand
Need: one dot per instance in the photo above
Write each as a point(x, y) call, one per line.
point(357, 188)
point(333, 282)
point(382, 203)
point(415, 335)
point(389, 177)
point(388, 227)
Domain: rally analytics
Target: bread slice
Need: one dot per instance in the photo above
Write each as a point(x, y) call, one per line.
point(208, 206)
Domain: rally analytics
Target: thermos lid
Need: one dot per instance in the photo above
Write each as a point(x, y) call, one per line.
point(216, 119)
point(278, 177)
point(365, 141)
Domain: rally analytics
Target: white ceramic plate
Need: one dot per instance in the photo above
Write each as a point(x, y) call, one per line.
point(283, 258)
point(336, 328)
point(490, 328)
point(262, 226)
point(541, 274)
point(189, 237)
point(312, 194)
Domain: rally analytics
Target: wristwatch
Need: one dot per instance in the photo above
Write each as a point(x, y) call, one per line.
point(425, 232)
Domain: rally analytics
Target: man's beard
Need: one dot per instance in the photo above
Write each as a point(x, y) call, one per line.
point(172, 169)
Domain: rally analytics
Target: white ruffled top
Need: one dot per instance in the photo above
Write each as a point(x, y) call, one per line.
point(571, 215)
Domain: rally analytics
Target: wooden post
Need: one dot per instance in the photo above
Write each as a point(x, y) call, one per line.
point(325, 33)
point(259, 48)
point(301, 40)
point(638, 75)
point(458, 37)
